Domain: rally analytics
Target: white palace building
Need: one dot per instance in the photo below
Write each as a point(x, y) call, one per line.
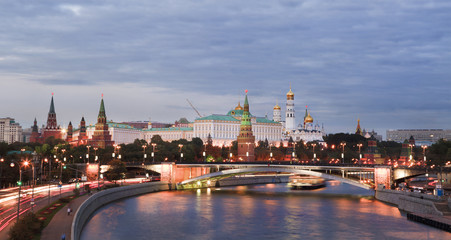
point(224, 128)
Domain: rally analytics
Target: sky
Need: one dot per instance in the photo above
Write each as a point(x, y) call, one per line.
point(385, 62)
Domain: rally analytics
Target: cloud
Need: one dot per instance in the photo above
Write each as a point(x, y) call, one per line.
point(387, 61)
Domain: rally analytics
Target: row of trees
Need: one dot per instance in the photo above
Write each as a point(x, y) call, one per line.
point(193, 151)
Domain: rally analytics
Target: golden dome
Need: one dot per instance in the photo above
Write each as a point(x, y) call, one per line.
point(239, 107)
point(308, 119)
point(277, 107)
point(290, 95)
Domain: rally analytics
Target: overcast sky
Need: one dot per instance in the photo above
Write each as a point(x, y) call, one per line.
point(387, 62)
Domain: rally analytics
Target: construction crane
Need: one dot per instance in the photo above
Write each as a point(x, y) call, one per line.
point(193, 107)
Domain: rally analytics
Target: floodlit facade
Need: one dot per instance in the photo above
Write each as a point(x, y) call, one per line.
point(421, 136)
point(10, 131)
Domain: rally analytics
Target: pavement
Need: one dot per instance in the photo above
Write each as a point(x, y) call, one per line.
point(61, 223)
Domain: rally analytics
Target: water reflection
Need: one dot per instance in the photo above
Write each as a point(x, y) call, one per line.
point(256, 212)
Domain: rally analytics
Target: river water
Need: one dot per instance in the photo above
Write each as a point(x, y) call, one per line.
point(269, 211)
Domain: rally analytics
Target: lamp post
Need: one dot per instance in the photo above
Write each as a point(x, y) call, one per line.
point(343, 144)
point(1, 171)
point(247, 153)
point(181, 154)
point(205, 152)
point(424, 153)
point(87, 154)
point(293, 154)
point(32, 190)
point(153, 152)
point(145, 155)
point(411, 152)
point(270, 152)
point(98, 169)
point(314, 154)
point(360, 155)
point(25, 164)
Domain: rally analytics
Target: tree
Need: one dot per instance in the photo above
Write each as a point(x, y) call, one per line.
point(116, 171)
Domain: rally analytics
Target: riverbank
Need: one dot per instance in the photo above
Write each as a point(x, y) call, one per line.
point(424, 208)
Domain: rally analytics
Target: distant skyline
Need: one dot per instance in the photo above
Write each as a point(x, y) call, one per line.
point(386, 62)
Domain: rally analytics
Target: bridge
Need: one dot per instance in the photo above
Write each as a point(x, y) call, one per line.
point(198, 175)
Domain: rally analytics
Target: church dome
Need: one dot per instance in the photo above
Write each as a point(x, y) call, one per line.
point(290, 95)
point(238, 107)
point(308, 119)
point(277, 107)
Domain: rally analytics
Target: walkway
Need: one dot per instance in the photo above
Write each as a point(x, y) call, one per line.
point(61, 223)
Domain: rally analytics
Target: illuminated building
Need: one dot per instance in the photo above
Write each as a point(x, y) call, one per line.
point(306, 130)
point(101, 137)
point(52, 129)
point(10, 131)
point(246, 139)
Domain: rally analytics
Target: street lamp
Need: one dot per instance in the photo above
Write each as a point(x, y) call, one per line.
point(411, 149)
point(1, 171)
point(270, 152)
point(153, 152)
point(360, 155)
point(145, 155)
point(87, 154)
point(314, 154)
point(98, 169)
point(343, 144)
point(25, 164)
point(205, 153)
point(247, 153)
point(293, 154)
point(181, 154)
point(424, 153)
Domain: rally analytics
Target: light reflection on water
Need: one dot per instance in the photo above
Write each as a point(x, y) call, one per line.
point(269, 211)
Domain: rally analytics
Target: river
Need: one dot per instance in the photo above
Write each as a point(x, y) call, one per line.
point(269, 211)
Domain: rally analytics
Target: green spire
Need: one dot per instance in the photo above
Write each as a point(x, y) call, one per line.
point(246, 104)
point(102, 109)
point(52, 106)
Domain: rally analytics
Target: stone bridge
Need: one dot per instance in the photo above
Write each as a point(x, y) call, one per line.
point(206, 174)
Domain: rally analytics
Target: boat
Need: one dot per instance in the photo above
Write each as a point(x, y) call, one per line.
point(298, 182)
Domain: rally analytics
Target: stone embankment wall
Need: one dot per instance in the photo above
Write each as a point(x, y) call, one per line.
point(102, 198)
point(235, 181)
point(410, 202)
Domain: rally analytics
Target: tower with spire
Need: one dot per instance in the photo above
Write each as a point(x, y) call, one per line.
point(290, 120)
point(358, 130)
point(246, 138)
point(51, 129)
point(35, 132)
point(101, 137)
point(69, 132)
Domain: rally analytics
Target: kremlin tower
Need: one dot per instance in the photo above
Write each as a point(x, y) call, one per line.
point(277, 115)
point(290, 121)
point(69, 132)
point(358, 130)
point(35, 132)
point(101, 137)
point(52, 129)
point(246, 139)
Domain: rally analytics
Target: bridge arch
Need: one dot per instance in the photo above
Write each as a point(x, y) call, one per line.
point(202, 181)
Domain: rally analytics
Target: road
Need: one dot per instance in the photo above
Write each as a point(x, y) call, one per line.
point(42, 196)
